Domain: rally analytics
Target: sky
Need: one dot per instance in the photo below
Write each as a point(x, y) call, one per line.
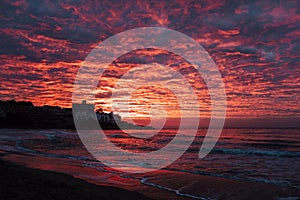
point(254, 44)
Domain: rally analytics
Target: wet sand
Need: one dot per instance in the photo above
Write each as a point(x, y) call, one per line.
point(30, 182)
point(209, 187)
point(18, 182)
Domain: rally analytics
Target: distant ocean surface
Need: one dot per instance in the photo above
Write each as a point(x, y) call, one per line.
point(260, 155)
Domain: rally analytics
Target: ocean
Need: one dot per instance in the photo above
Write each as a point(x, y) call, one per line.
point(269, 156)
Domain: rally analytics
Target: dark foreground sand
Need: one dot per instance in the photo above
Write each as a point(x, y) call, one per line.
point(18, 182)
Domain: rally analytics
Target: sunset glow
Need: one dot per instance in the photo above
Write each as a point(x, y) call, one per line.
point(150, 99)
point(255, 46)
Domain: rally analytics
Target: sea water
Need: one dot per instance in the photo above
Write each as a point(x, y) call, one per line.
point(260, 155)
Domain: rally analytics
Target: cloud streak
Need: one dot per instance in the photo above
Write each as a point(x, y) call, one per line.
point(255, 45)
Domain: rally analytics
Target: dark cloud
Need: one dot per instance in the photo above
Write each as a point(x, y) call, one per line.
point(21, 77)
point(254, 43)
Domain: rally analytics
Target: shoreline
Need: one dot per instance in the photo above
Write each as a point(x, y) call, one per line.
point(161, 184)
point(20, 182)
point(41, 151)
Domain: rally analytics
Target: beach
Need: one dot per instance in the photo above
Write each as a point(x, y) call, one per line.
point(19, 182)
point(49, 163)
point(161, 100)
point(24, 181)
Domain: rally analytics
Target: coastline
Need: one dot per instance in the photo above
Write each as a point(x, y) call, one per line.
point(55, 152)
point(24, 115)
point(19, 182)
point(33, 179)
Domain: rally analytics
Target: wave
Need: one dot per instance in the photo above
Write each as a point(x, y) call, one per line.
point(252, 179)
point(21, 149)
point(256, 152)
point(145, 181)
point(178, 192)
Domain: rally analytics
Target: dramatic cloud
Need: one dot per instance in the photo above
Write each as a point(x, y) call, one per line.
point(255, 44)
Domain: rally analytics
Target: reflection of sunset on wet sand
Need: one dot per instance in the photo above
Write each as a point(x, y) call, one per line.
point(59, 85)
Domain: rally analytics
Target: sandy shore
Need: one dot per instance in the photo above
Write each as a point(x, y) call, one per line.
point(29, 182)
point(18, 182)
point(210, 187)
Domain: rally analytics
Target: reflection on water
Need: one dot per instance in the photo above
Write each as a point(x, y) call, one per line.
point(263, 155)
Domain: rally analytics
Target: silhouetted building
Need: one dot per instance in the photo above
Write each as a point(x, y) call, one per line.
point(83, 111)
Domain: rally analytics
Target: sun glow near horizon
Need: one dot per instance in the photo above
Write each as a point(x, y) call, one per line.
point(40, 61)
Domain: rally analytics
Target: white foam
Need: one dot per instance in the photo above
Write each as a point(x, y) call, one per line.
point(178, 192)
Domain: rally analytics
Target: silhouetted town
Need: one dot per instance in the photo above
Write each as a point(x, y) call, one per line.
point(22, 114)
